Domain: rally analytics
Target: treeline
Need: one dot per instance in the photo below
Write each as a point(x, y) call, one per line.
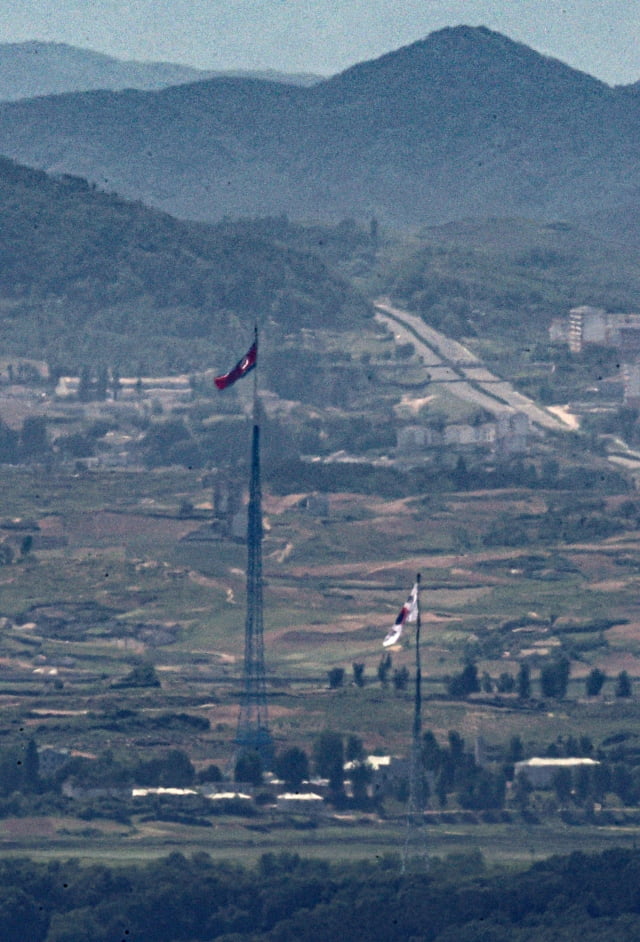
point(552, 681)
point(285, 898)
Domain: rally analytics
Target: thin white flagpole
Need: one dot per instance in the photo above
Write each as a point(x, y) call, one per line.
point(415, 810)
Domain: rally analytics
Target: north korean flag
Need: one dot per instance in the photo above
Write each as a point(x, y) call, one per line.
point(242, 367)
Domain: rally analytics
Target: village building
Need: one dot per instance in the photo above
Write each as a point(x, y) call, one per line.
point(305, 802)
point(540, 772)
point(507, 434)
point(386, 772)
point(585, 325)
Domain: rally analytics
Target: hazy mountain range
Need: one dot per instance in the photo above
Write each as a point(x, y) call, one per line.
point(32, 69)
point(464, 123)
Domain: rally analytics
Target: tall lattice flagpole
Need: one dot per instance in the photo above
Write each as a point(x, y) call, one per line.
point(415, 831)
point(253, 722)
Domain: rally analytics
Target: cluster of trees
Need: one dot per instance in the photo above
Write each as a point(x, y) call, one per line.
point(441, 477)
point(30, 443)
point(454, 770)
point(399, 676)
point(597, 678)
point(33, 443)
point(290, 899)
point(564, 521)
point(331, 750)
point(20, 771)
point(553, 681)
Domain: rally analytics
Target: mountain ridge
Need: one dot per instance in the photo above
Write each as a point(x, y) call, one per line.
point(36, 68)
point(463, 123)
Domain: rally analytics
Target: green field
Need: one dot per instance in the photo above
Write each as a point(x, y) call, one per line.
point(124, 586)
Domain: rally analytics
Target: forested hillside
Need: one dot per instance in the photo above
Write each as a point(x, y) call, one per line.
point(83, 271)
point(483, 277)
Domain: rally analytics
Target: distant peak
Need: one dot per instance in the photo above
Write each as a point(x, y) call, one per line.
point(458, 54)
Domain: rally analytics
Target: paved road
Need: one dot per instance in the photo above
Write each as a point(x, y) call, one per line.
point(466, 377)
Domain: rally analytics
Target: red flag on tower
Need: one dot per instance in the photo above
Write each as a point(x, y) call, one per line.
point(242, 367)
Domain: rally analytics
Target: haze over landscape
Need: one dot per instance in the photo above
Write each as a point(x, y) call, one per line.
point(431, 221)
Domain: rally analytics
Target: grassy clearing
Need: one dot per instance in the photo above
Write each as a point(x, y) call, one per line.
point(338, 840)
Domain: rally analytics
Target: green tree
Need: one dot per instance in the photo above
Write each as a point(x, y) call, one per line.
point(623, 685)
point(358, 674)
point(328, 754)
point(383, 669)
point(432, 754)
point(21, 916)
point(178, 770)
point(11, 778)
point(355, 749)
point(562, 784)
point(521, 792)
point(523, 682)
point(141, 675)
point(292, 766)
point(6, 554)
point(34, 442)
point(583, 786)
point(9, 444)
point(361, 777)
point(210, 773)
point(461, 685)
point(31, 767)
point(595, 682)
point(401, 678)
point(554, 678)
point(336, 677)
point(460, 474)
point(85, 385)
point(102, 382)
point(622, 782)
point(506, 682)
point(116, 383)
point(515, 752)
point(248, 768)
point(486, 682)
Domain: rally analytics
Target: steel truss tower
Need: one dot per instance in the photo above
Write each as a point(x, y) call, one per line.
point(253, 723)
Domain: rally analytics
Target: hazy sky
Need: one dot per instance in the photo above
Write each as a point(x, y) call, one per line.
point(601, 37)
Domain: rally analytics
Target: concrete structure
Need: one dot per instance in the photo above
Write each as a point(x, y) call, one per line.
point(160, 790)
point(593, 325)
point(631, 383)
point(508, 434)
point(387, 771)
point(304, 802)
point(540, 772)
point(317, 505)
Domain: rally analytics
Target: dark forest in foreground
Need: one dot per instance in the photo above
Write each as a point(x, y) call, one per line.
point(289, 898)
